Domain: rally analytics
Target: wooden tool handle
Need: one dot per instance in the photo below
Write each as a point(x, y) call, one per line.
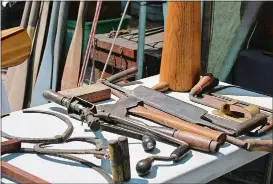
point(252, 144)
point(173, 122)
point(202, 83)
point(260, 145)
point(198, 142)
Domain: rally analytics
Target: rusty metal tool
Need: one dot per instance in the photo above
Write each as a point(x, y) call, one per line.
point(143, 167)
point(92, 114)
point(19, 175)
point(204, 93)
point(14, 146)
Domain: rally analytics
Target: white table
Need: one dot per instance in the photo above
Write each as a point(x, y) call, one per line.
point(196, 168)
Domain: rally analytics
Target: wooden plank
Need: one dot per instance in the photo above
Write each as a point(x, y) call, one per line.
point(61, 31)
point(73, 61)
point(40, 39)
point(44, 78)
point(11, 71)
point(91, 93)
point(18, 87)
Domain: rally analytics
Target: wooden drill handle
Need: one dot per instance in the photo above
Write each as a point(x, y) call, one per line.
point(174, 122)
point(252, 144)
point(203, 82)
point(197, 142)
point(16, 46)
point(260, 145)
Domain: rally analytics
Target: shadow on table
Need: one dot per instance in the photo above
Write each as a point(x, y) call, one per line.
point(9, 157)
point(240, 91)
point(105, 164)
point(137, 180)
point(59, 109)
point(131, 83)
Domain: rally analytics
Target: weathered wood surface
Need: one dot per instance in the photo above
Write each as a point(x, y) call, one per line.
point(24, 22)
point(226, 20)
point(44, 77)
point(61, 31)
point(180, 63)
point(71, 71)
point(19, 82)
point(91, 93)
point(40, 39)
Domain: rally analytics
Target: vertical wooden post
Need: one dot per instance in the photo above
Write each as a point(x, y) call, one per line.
point(180, 63)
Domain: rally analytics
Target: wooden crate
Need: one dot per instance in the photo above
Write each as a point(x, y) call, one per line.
point(124, 54)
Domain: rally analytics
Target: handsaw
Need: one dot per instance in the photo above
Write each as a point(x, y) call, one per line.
point(61, 29)
point(15, 47)
point(73, 61)
point(11, 71)
point(44, 78)
point(41, 36)
point(17, 93)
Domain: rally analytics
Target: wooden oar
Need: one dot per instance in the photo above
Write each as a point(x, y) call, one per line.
point(61, 29)
point(44, 78)
point(15, 46)
point(18, 87)
point(40, 39)
point(11, 71)
point(72, 65)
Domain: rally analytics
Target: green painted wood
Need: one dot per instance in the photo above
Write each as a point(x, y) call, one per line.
point(249, 17)
point(226, 20)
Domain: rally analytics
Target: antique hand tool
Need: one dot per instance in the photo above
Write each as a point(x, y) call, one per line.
point(195, 140)
point(143, 167)
point(118, 154)
point(15, 46)
point(14, 146)
point(19, 175)
point(92, 115)
point(99, 151)
point(204, 93)
point(157, 101)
